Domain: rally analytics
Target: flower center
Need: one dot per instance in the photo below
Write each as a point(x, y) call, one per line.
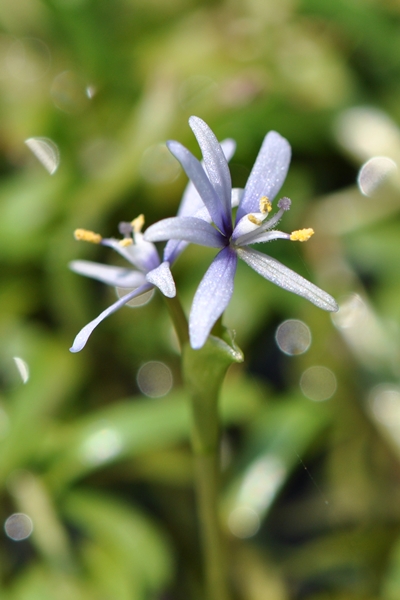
point(264, 230)
point(128, 230)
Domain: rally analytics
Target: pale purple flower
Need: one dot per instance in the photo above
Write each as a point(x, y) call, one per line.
point(211, 225)
point(143, 255)
point(149, 272)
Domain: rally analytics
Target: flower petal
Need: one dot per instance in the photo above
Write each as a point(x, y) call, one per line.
point(193, 206)
point(162, 278)
point(84, 334)
point(236, 196)
point(268, 174)
point(212, 296)
point(173, 248)
point(115, 276)
point(141, 253)
point(196, 173)
point(191, 201)
point(215, 163)
point(189, 229)
point(287, 279)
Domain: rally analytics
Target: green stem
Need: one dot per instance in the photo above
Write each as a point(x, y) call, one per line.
point(204, 371)
point(179, 319)
point(205, 442)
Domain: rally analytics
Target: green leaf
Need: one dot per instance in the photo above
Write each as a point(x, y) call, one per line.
point(134, 541)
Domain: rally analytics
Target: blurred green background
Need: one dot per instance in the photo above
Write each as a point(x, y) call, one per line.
point(94, 447)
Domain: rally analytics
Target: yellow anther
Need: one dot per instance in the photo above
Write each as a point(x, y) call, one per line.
point(301, 235)
point(126, 242)
point(254, 219)
point(265, 205)
point(137, 224)
point(85, 235)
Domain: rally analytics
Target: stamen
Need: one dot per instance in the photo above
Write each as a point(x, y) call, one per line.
point(301, 235)
point(265, 205)
point(125, 242)
point(254, 220)
point(85, 235)
point(137, 224)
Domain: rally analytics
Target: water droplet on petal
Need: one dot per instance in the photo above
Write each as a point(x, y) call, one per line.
point(22, 367)
point(374, 173)
point(46, 151)
point(18, 526)
point(293, 337)
point(318, 383)
point(154, 379)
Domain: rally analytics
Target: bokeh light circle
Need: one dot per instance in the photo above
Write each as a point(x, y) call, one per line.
point(28, 59)
point(141, 300)
point(46, 151)
point(243, 522)
point(154, 379)
point(158, 166)
point(374, 173)
point(293, 337)
point(68, 92)
point(318, 383)
point(18, 526)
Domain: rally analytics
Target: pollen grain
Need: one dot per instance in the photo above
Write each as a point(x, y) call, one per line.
point(85, 235)
point(137, 224)
point(253, 219)
point(126, 242)
point(265, 205)
point(301, 235)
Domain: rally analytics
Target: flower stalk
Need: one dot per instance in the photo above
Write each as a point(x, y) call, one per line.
point(204, 372)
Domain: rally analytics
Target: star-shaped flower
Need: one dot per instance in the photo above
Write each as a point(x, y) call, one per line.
point(149, 272)
point(143, 255)
point(212, 226)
